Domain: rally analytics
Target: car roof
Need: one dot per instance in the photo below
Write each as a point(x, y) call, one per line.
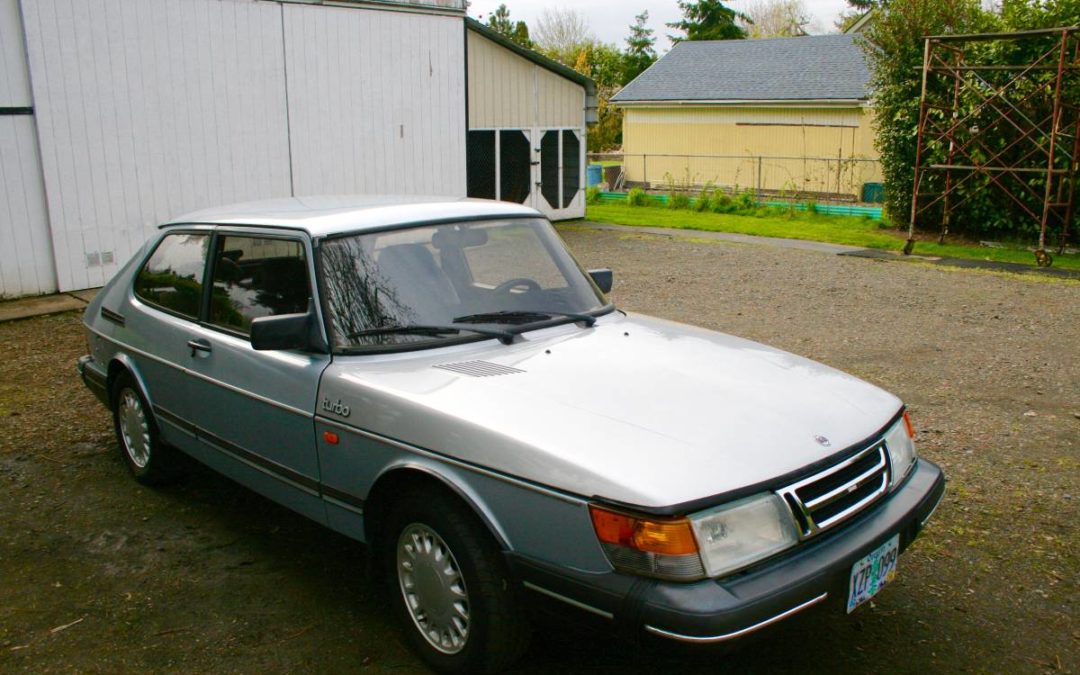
point(328, 215)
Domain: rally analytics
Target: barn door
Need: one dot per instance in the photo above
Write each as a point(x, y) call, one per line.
point(499, 165)
point(559, 183)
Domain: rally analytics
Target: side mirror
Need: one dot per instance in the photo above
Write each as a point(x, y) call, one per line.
point(603, 278)
point(284, 331)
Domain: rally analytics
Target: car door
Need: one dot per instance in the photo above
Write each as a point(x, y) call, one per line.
point(254, 409)
point(162, 310)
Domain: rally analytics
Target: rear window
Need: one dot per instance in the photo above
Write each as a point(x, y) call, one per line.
point(172, 278)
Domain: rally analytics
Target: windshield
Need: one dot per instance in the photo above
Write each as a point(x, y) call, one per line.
point(433, 283)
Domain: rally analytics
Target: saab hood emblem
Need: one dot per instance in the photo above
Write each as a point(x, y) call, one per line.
point(338, 408)
point(822, 441)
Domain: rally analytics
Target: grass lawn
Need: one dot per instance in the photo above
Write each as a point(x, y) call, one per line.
point(833, 229)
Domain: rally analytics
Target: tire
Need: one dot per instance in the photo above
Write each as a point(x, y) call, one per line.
point(150, 461)
point(449, 586)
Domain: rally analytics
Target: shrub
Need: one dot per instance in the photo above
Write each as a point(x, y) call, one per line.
point(678, 200)
point(811, 207)
point(746, 201)
point(678, 192)
point(638, 197)
point(704, 198)
point(721, 202)
point(894, 51)
point(592, 195)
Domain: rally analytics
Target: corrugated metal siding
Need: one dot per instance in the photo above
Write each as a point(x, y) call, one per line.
point(731, 115)
point(376, 101)
point(428, 4)
point(507, 91)
point(800, 149)
point(148, 109)
point(561, 103)
point(26, 258)
point(501, 87)
point(14, 76)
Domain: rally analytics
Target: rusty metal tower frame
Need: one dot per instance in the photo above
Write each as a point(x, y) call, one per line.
point(1007, 123)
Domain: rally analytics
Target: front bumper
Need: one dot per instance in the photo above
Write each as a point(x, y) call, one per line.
point(718, 610)
point(94, 377)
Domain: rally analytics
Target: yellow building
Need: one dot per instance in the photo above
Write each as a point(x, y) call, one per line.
point(783, 115)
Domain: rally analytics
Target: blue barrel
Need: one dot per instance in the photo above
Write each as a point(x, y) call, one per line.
point(594, 174)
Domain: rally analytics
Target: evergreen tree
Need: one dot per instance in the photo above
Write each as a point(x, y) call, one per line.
point(707, 20)
point(499, 21)
point(640, 48)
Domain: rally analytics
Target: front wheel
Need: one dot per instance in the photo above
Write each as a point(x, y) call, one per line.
point(450, 587)
point(150, 461)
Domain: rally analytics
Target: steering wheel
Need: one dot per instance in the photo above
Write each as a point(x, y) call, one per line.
point(510, 284)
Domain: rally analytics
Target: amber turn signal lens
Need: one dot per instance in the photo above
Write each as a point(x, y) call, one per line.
point(670, 537)
point(908, 426)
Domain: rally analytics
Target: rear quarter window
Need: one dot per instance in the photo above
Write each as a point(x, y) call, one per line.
point(172, 278)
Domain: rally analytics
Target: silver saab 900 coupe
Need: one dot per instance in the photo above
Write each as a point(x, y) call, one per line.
point(441, 380)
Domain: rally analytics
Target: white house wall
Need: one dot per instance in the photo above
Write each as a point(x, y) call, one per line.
point(376, 101)
point(148, 109)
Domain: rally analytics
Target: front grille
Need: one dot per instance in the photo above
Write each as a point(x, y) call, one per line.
point(839, 492)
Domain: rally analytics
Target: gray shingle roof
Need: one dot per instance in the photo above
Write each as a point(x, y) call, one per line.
point(800, 68)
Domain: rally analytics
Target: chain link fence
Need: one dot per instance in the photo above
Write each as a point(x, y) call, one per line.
point(850, 179)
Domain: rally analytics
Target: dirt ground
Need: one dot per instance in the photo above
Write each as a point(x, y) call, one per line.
point(99, 574)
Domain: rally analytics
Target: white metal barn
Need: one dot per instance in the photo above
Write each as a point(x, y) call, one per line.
point(526, 128)
point(116, 115)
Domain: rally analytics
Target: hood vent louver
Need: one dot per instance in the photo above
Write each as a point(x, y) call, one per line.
point(479, 368)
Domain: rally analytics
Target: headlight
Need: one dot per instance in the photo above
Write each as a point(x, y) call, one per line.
point(901, 446)
point(652, 546)
point(735, 535)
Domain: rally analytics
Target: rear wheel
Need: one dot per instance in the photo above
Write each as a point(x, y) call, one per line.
point(150, 461)
point(449, 586)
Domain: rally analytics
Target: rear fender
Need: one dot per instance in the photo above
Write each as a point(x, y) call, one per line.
point(121, 362)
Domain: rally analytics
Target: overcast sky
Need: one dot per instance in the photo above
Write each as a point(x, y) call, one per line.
point(610, 19)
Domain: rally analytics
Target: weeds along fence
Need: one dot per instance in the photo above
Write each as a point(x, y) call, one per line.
point(830, 178)
point(853, 210)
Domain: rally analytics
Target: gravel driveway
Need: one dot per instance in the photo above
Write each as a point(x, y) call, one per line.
point(100, 574)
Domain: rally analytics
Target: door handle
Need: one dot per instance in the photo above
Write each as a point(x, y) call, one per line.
point(199, 345)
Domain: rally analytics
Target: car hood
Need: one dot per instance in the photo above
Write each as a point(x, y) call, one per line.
point(635, 410)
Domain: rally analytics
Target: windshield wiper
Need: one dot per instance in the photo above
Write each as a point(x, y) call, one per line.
point(505, 336)
point(522, 317)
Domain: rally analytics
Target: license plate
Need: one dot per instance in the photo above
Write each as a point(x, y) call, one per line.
point(870, 574)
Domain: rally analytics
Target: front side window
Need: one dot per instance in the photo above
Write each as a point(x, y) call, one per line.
point(172, 278)
point(257, 276)
point(468, 275)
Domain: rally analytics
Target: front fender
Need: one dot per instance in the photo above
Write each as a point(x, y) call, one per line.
point(522, 516)
point(451, 478)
